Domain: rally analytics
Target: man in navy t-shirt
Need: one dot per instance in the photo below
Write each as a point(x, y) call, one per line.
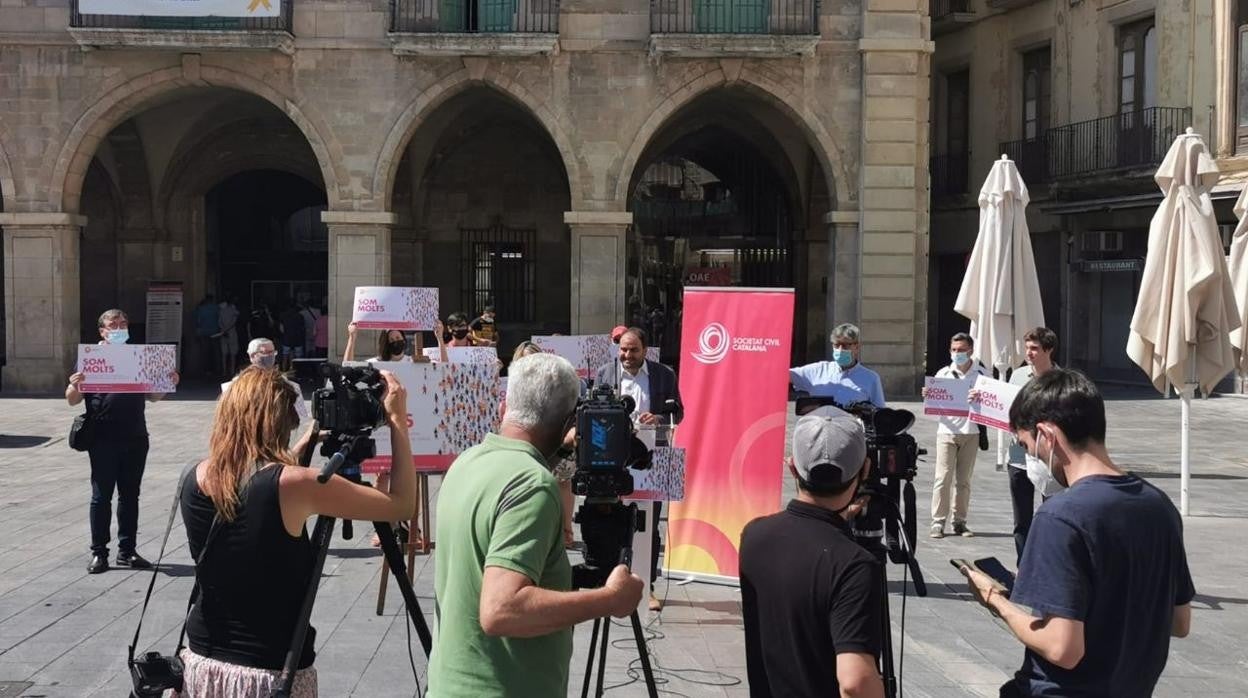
point(1103, 583)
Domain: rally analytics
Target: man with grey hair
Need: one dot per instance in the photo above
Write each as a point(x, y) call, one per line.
point(262, 353)
point(843, 378)
point(503, 583)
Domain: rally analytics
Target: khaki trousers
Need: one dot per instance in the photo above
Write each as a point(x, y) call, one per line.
point(955, 461)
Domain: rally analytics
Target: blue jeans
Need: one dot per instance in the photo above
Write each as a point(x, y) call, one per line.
point(116, 464)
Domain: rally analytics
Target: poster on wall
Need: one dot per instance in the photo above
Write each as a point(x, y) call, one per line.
point(164, 312)
point(182, 8)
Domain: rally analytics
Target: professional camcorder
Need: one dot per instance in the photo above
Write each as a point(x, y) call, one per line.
point(351, 403)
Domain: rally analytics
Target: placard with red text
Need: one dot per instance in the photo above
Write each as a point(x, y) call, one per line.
point(992, 405)
point(127, 368)
point(395, 308)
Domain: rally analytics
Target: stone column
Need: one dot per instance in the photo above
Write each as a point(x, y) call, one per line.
point(359, 255)
point(40, 299)
point(894, 219)
point(844, 288)
point(599, 253)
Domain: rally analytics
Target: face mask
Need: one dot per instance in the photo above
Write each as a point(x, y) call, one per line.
point(397, 347)
point(459, 334)
point(1041, 473)
point(117, 336)
point(487, 318)
point(960, 358)
point(266, 360)
point(843, 357)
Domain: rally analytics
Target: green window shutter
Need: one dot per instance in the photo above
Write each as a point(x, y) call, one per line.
point(497, 15)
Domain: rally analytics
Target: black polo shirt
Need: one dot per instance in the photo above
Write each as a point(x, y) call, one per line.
point(808, 592)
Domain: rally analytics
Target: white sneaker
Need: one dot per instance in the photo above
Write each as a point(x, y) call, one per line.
point(938, 530)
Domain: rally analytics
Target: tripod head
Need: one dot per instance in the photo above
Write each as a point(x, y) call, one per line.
point(901, 548)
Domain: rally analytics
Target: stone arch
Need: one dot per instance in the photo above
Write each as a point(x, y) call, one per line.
point(784, 99)
point(417, 112)
point(65, 174)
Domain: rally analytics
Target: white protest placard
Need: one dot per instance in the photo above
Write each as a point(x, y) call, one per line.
point(395, 308)
point(183, 8)
point(586, 352)
point(946, 397)
point(464, 355)
point(992, 406)
point(664, 481)
point(127, 368)
point(450, 408)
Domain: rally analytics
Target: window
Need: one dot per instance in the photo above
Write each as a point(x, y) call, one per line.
point(958, 107)
point(1037, 86)
point(1137, 66)
point(1241, 77)
point(499, 269)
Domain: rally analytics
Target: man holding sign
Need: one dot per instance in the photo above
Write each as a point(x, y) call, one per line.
point(957, 438)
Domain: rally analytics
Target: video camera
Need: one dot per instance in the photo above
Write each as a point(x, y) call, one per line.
point(352, 402)
point(894, 456)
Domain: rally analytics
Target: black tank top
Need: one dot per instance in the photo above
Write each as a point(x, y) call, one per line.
point(253, 579)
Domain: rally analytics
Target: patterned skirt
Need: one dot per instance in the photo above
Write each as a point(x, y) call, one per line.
point(211, 678)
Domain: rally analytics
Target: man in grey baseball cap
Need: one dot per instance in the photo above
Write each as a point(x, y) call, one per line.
point(802, 565)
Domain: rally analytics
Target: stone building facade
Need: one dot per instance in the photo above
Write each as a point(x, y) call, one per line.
point(1087, 98)
point(349, 144)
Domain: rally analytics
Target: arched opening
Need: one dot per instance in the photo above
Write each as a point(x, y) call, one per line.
point(727, 193)
point(480, 192)
point(215, 190)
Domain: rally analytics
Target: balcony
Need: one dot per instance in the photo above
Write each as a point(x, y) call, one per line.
point(950, 15)
point(182, 33)
point(949, 174)
point(474, 27)
point(745, 28)
point(1115, 144)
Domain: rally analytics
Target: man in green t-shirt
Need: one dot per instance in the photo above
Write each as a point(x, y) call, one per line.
point(503, 583)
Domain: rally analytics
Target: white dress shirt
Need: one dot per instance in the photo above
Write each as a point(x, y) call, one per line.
point(960, 425)
point(638, 387)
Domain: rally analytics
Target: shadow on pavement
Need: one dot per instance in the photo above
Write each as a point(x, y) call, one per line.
point(16, 441)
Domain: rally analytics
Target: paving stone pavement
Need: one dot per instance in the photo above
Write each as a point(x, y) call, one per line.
point(65, 632)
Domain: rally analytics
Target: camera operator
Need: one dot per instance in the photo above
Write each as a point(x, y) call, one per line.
point(957, 441)
point(503, 580)
point(651, 385)
point(1104, 573)
point(809, 591)
point(842, 378)
point(118, 455)
point(248, 503)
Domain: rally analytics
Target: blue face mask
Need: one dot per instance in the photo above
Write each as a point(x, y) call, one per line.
point(843, 357)
point(960, 358)
point(117, 336)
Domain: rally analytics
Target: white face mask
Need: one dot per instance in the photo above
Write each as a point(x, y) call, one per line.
point(1041, 473)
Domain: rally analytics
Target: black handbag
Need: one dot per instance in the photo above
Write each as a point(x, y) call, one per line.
point(80, 432)
point(153, 673)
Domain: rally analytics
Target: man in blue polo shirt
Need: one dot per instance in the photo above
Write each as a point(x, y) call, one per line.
point(842, 378)
point(1103, 584)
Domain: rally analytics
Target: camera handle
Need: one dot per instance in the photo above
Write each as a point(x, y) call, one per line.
point(322, 534)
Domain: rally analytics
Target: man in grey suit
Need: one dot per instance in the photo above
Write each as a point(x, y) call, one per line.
point(657, 401)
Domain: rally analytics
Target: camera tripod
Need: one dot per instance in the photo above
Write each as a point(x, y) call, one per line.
point(900, 549)
point(348, 451)
point(608, 527)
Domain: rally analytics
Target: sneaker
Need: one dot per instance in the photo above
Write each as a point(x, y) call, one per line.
point(938, 531)
point(99, 563)
point(960, 529)
point(134, 561)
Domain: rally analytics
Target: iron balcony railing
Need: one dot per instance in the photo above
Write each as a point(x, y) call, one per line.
point(782, 17)
point(281, 23)
point(949, 173)
point(944, 8)
point(474, 16)
point(1123, 141)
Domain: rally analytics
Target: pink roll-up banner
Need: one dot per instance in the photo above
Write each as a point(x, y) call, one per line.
point(734, 364)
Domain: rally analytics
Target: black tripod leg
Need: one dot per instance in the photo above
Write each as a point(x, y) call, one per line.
point(394, 559)
point(644, 653)
point(887, 670)
point(589, 664)
point(322, 532)
point(602, 654)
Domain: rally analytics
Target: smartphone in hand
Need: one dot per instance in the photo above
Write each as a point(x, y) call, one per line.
point(992, 567)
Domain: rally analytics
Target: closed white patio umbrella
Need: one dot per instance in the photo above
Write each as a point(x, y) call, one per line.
point(1186, 307)
point(1238, 269)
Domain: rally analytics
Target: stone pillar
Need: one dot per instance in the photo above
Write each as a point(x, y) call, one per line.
point(359, 255)
point(894, 219)
point(599, 254)
point(40, 299)
point(844, 289)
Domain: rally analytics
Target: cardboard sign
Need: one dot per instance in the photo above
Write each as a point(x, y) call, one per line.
point(946, 397)
point(992, 406)
point(450, 408)
point(127, 368)
point(395, 308)
point(586, 352)
point(465, 355)
point(664, 481)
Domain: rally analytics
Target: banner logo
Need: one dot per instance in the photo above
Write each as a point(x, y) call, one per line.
point(713, 344)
